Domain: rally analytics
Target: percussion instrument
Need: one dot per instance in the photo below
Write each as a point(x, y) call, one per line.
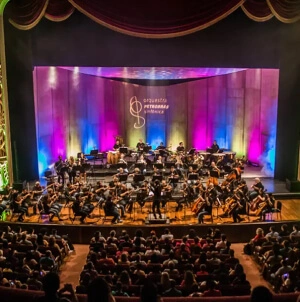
point(218, 156)
point(113, 157)
point(229, 154)
point(206, 155)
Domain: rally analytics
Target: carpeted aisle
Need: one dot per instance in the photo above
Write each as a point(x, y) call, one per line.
point(73, 265)
point(251, 268)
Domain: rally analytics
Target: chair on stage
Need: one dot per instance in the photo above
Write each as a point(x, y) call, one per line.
point(277, 210)
point(107, 216)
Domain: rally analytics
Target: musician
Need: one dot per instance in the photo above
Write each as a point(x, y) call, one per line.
point(118, 200)
point(214, 173)
point(87, 197)
point(166, 192)
point(156, 198)
point(71, 169)
point(82, 207)
point(19, 205)
point(142, 193)
point(180, 148)
point(173, 177)
point(143, 163)
point(69, 191)
point(190, 171)
point(156, 171)
point(215, 147)
point(136, 174)
point(205, 207)
point(111, 210)
point(125, 195)
point(37, 191)
point(122, 159)
point(99, 191)
point(51, 206)
point(162, 150)
point(140, 146)
point(82, 160)
point(236, 207)
point(268, 206)
point(188, 196)
point(117, 145)
point(59, 168)
point(121, 172)
point(257, 188)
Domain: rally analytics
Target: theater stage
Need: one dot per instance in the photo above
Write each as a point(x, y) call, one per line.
point(178, 222)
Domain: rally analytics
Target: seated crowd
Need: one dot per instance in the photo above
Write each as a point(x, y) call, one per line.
point(278, 254)
point(191, 266)
point(25, 257)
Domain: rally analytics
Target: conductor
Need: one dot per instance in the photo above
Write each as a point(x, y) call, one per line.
point(156, 198)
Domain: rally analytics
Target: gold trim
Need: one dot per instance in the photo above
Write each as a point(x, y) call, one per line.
point(59, 19)
point(34, 23)
point(282, 19)
point(5, 100)
point(156, 36)
point(255, 18)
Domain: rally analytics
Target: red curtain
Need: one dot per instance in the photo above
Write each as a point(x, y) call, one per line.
point(151, 19)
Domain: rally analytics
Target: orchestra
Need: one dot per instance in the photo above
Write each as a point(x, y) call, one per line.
point(191, 180)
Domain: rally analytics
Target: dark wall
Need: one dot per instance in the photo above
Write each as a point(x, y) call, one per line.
point(234, 42)
point(21, 103)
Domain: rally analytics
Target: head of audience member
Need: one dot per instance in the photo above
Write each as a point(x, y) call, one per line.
point(259, 231)
point(99, 291)
point(51, 284)
point(261, 293)
point(149, 292)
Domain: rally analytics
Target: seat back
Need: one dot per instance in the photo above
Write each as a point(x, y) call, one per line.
point(279, 206)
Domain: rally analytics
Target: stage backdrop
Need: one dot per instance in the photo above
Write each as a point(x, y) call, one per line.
point(79, 112)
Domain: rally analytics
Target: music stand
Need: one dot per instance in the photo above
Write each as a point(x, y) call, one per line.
point(141, 166)
point(123, 150)
point(123, 177)
point(94, 152)
point(214, 174)
point(138, 177)
point(210, 150)
point(194, 166)
point(170, 164)
point(157, 177)
point(174, 180)
point(193, 176)
point(158, 166)
point(147, 148)
point(192, 151)
point(121, 165)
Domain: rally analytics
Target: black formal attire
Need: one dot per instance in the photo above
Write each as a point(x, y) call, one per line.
point(215, 148)
point(188, 193)
point(180, 149)
point(111, 210)
point(140, 147)
point(156, 199)
point(60, 170)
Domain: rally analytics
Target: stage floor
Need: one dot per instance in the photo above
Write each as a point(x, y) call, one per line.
point(290, 212)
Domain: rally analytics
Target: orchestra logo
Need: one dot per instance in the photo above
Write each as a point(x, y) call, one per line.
point(149, 106)
point(135, 108)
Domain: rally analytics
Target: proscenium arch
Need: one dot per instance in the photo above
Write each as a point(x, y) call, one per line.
point(6, 155)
